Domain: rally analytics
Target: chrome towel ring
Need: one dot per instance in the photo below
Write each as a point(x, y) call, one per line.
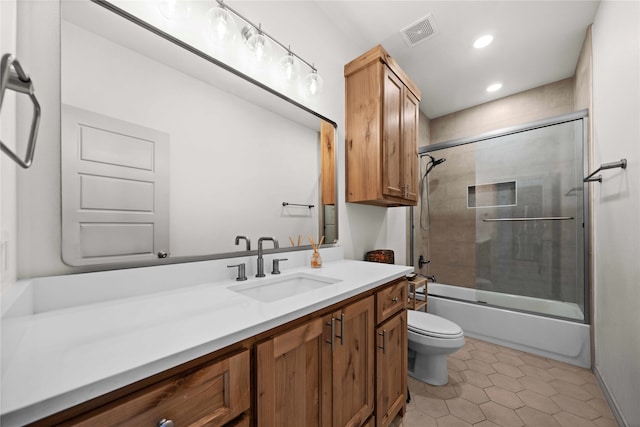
point(19, 81)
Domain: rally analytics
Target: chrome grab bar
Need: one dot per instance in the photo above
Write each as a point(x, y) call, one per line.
point(19, 81)
point(547, 218)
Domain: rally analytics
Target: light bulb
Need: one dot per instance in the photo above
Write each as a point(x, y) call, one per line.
point(313, 83)
point(256, 41)
point(289, 68)
point(167, 8)
point(221, 23)
point(172, 9)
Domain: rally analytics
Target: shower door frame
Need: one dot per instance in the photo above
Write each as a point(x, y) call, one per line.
point(586, 201)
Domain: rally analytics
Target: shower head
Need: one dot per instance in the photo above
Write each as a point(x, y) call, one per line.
point(433, 162)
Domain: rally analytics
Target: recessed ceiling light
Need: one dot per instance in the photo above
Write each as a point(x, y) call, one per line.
point(483, 41)
point(494, 87)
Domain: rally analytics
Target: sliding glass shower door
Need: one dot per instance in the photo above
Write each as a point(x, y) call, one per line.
point(506, 217)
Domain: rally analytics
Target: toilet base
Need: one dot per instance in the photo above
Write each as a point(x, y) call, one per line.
point(429, 369)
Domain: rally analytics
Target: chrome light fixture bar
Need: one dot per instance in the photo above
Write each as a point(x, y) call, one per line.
point(254, 37)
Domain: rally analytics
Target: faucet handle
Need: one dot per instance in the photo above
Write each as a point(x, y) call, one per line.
point(276, 265)
point(242, 274)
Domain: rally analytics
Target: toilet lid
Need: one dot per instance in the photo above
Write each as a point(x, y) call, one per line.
point(432, 325)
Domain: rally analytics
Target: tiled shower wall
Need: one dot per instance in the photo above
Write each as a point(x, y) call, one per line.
point(450, 240)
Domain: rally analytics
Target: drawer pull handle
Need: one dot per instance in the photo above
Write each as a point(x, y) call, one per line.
point(333, 330)
point(383, 334)
point(394, 299)
point(341, 320)
point(165, 423)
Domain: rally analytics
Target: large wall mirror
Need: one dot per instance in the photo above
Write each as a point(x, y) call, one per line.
point(167, 152)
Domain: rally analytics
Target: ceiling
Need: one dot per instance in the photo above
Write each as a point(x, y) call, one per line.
point(535, 43)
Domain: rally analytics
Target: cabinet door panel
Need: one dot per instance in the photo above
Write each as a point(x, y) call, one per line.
point(391, 369)
point(363, 127)
point(292, 384)
point(353, 366)
point(392, 175)
point(410, 145)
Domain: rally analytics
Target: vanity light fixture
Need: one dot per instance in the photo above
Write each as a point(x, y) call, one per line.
point(494, 87)
point(483, 41)
point(289, 67)
point(259, 43)
point(221, 23)
point(256, 41)
point(173, 9)
point(313, 83)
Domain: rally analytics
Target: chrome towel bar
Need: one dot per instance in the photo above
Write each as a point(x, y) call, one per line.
point(546, 218)
point(297, 204)
point(19, 81)
point(591, 178)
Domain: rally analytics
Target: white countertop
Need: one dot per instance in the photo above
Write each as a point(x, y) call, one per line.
point(55, 359)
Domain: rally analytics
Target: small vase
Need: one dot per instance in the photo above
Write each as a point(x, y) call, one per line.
point(316, 260)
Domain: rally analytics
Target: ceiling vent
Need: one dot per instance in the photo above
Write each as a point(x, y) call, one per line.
point(419, 31)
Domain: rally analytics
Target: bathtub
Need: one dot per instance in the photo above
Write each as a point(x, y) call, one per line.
point(478, 316)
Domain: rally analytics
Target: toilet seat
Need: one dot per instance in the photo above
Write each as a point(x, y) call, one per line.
point(433, 326)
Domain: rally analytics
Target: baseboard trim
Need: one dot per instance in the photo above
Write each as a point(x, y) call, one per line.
point(613, 405)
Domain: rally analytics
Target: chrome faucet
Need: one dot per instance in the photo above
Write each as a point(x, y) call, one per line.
point(246, 239)
point(260, 260)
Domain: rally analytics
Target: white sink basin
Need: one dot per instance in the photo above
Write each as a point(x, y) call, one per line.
point(277, 288)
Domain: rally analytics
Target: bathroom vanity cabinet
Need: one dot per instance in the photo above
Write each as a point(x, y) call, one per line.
point(391, 352)
point(320, 373)
point(382, 107)
point(343, 365)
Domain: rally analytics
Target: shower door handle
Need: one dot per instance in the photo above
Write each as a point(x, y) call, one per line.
point(546, 218)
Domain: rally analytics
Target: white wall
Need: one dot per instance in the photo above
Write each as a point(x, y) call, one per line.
point(311, 34)
point(8, 169)
point(616, 120)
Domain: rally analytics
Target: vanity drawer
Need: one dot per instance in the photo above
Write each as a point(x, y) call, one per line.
point(211, 395)
point(390, 300)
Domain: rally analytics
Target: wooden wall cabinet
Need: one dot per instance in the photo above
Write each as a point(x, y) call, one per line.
point(382, 107)
point(319, 373)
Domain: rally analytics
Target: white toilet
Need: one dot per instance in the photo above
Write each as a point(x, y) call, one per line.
point(431, 339)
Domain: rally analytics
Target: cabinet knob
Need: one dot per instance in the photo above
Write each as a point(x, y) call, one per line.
point(165, 423)
point(394, 299)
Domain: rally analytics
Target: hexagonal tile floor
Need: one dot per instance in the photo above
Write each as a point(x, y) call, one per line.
point(490, 385)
